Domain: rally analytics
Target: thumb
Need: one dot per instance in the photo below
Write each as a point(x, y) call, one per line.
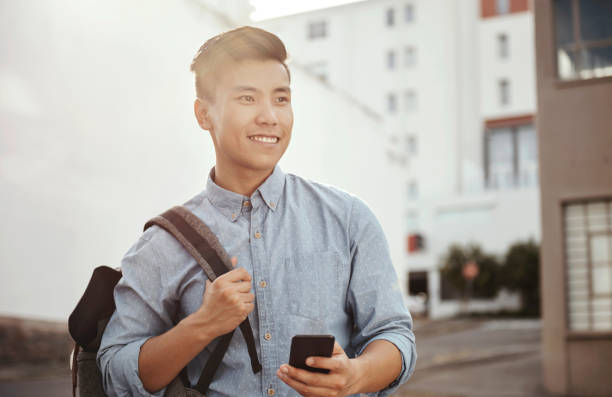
point(234, 261)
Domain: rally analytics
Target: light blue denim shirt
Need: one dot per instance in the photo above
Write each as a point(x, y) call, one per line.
point(320, 265)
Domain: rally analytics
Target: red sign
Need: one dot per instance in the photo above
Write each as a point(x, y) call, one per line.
point(414, 243)
point(470, 270)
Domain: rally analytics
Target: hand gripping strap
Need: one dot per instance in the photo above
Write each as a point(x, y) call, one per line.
point(206, 249)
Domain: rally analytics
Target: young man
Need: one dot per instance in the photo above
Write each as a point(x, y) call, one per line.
point(309, 259)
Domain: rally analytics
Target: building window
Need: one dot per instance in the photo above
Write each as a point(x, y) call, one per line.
point(413, 190)
point(391, 103)
point(411, 145)
point(511, 157)
point(317, 30)
point(409, 13)
point(502, 6)
point(410, 100)
point(502, 46)
point(409, 56)
point(390, 17)
point(391, 59)
point(583, 51)
point(588, 257)
point(504, 92)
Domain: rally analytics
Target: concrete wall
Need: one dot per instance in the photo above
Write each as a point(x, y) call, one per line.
point(575, 151)
point(98, 135)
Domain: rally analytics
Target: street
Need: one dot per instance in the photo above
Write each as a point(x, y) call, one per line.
point(457, 358)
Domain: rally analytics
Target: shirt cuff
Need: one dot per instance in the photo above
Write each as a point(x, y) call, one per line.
point(125, 379)
point(406, 347)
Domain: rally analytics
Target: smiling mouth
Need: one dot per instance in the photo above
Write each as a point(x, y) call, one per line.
point(264, 139)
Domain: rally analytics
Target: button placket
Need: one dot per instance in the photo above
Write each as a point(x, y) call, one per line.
point(268, 357)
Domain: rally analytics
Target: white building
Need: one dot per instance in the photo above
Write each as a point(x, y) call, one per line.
point(98, 135)
point(454, 81)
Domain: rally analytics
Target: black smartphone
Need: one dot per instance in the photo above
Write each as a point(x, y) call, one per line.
point(304, 346)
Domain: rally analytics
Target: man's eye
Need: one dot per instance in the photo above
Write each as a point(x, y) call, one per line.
point(282, 99)
point(247, 98)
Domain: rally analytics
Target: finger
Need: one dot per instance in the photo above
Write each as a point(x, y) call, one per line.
point(249, 307)
point(238, 274)
point(234, 261)
point(314, 379)
point(247, 298)
point(302, 388)
point(333, 363)
point(241, 286)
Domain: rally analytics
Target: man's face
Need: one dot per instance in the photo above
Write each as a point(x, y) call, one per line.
point(250, 118)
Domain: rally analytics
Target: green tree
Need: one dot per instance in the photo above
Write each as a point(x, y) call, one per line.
point(486, 284)
point(521, 273)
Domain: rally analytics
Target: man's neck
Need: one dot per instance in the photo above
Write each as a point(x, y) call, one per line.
point(243, 182)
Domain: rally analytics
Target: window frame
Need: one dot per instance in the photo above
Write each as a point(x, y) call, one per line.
point(577, 46)
point(317, 30)
point(564, 203)
point(503, 87)
point(514, 128)
point(390, 17)
point(503, 46)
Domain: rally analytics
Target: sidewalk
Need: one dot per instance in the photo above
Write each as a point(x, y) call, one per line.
point(476, 358)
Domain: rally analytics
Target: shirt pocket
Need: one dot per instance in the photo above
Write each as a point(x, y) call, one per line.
point(311, 280)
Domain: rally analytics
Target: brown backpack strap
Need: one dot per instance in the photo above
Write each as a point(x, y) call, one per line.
point(206, 249)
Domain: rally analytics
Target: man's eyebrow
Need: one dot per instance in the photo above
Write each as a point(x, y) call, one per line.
point(284, 89)
point(244, 88)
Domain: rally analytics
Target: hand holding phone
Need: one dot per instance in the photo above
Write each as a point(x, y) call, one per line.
point(304, 346)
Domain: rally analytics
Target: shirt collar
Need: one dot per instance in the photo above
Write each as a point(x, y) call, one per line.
point(231, 204)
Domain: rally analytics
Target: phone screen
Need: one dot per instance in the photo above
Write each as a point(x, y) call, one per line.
point(304, 346)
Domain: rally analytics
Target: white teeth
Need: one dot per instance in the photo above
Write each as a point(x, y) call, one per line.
point(266, 139)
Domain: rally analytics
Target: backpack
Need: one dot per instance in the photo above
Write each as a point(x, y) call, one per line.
point(88, 320)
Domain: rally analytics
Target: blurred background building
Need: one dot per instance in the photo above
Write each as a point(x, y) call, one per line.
point(455, 85)
point(574, 43)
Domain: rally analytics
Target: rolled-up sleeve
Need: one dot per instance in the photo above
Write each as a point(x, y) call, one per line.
point(144, 308)
point(374, 296)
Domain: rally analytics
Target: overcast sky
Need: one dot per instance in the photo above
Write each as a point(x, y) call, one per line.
point(274, 8)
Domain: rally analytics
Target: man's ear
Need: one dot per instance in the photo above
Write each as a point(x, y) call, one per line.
point(200, 108)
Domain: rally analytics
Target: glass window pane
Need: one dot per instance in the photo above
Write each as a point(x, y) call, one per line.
point(503, 6)
point(566, 64)
point(390, 17)
point(564, 25)
point(602, 280)
point(500, 151)
point(600, 249)
point(527, 156)
point(595, 19)
point(596, 62)
point(390, 59)
point(409, 13)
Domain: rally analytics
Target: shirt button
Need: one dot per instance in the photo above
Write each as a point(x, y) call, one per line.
point(234, 216)
point(272, 204)
point(257, 235)
point(271, 392)
point(263, 284)
point(268, 336)
point(246, 203)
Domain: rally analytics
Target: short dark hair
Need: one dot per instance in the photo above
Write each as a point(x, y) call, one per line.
point(240, 44)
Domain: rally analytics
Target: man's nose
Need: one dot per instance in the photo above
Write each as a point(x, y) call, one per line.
point(267, 115)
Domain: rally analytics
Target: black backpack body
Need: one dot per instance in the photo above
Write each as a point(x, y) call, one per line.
point(88, 320)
